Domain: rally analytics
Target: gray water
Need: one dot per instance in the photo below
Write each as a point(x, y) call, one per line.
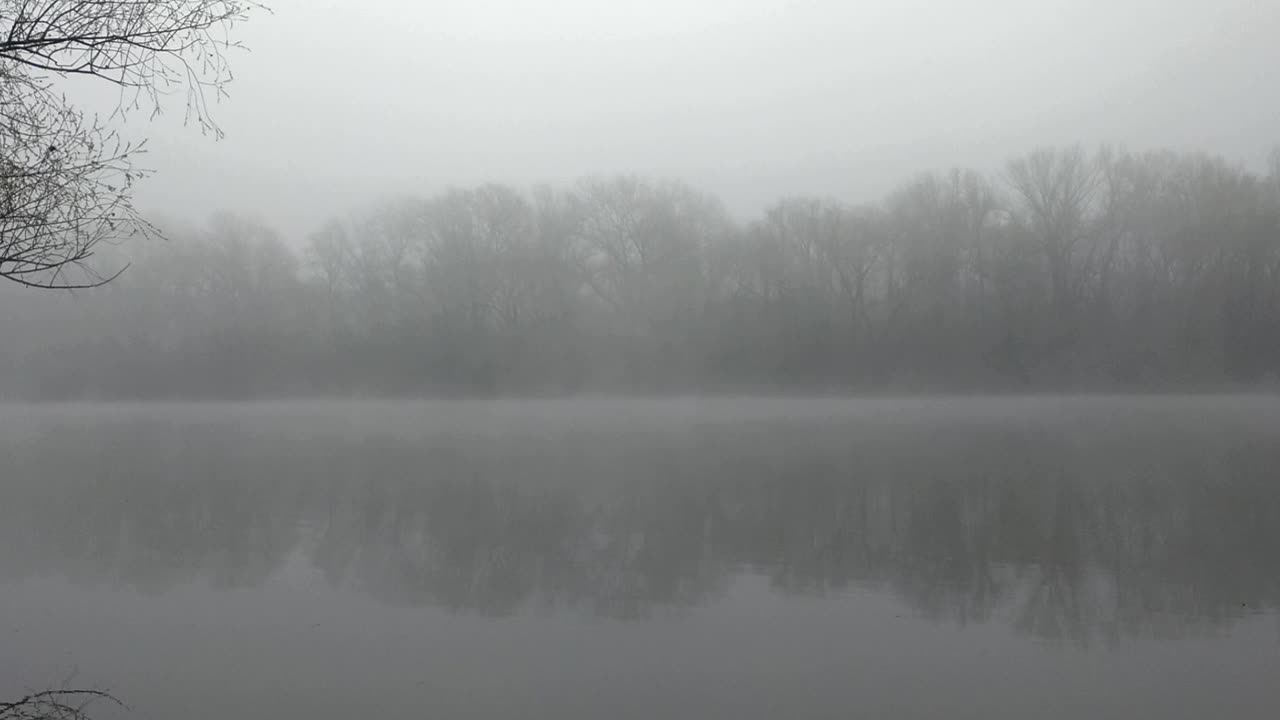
point(752, 558)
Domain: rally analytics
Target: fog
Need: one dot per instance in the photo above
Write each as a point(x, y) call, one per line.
point(1068, 270)
point(493, 198)
point(338, 105)
point(642, 558)
point(718, 358)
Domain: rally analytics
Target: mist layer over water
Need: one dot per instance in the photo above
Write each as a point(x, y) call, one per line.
point(1044, 557)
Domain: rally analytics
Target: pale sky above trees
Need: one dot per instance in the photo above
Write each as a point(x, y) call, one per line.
point(340, 103)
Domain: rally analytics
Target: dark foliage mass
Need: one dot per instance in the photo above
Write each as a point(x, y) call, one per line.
point(1065, 270)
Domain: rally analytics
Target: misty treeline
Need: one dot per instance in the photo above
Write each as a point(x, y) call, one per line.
point(1066, 269)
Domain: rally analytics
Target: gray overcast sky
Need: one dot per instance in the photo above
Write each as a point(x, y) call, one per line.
point(342, 102)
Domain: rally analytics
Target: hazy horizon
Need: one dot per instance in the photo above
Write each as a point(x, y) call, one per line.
point(747, 100)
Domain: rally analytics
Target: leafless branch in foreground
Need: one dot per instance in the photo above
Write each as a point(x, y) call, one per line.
point(55, 705)
point(66, 178)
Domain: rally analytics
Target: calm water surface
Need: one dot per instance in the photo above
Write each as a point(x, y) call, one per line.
point(761, 558)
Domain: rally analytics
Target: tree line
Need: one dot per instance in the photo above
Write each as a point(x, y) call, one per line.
point(1067, 269)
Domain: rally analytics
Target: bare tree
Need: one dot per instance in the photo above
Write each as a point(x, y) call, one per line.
point(328, 252)
point(66, 178)
point(644, 242)
point(54, 705)
point(1273, 163)
point(1147, 269)
point(1057, 188)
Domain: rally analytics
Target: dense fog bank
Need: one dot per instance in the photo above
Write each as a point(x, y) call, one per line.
point(1067, 270)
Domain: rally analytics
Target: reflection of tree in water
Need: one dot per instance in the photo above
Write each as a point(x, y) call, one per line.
point(454, 543)
point(146, 515)
point(495, 548)
point(650, 547)
point(1064, 538)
